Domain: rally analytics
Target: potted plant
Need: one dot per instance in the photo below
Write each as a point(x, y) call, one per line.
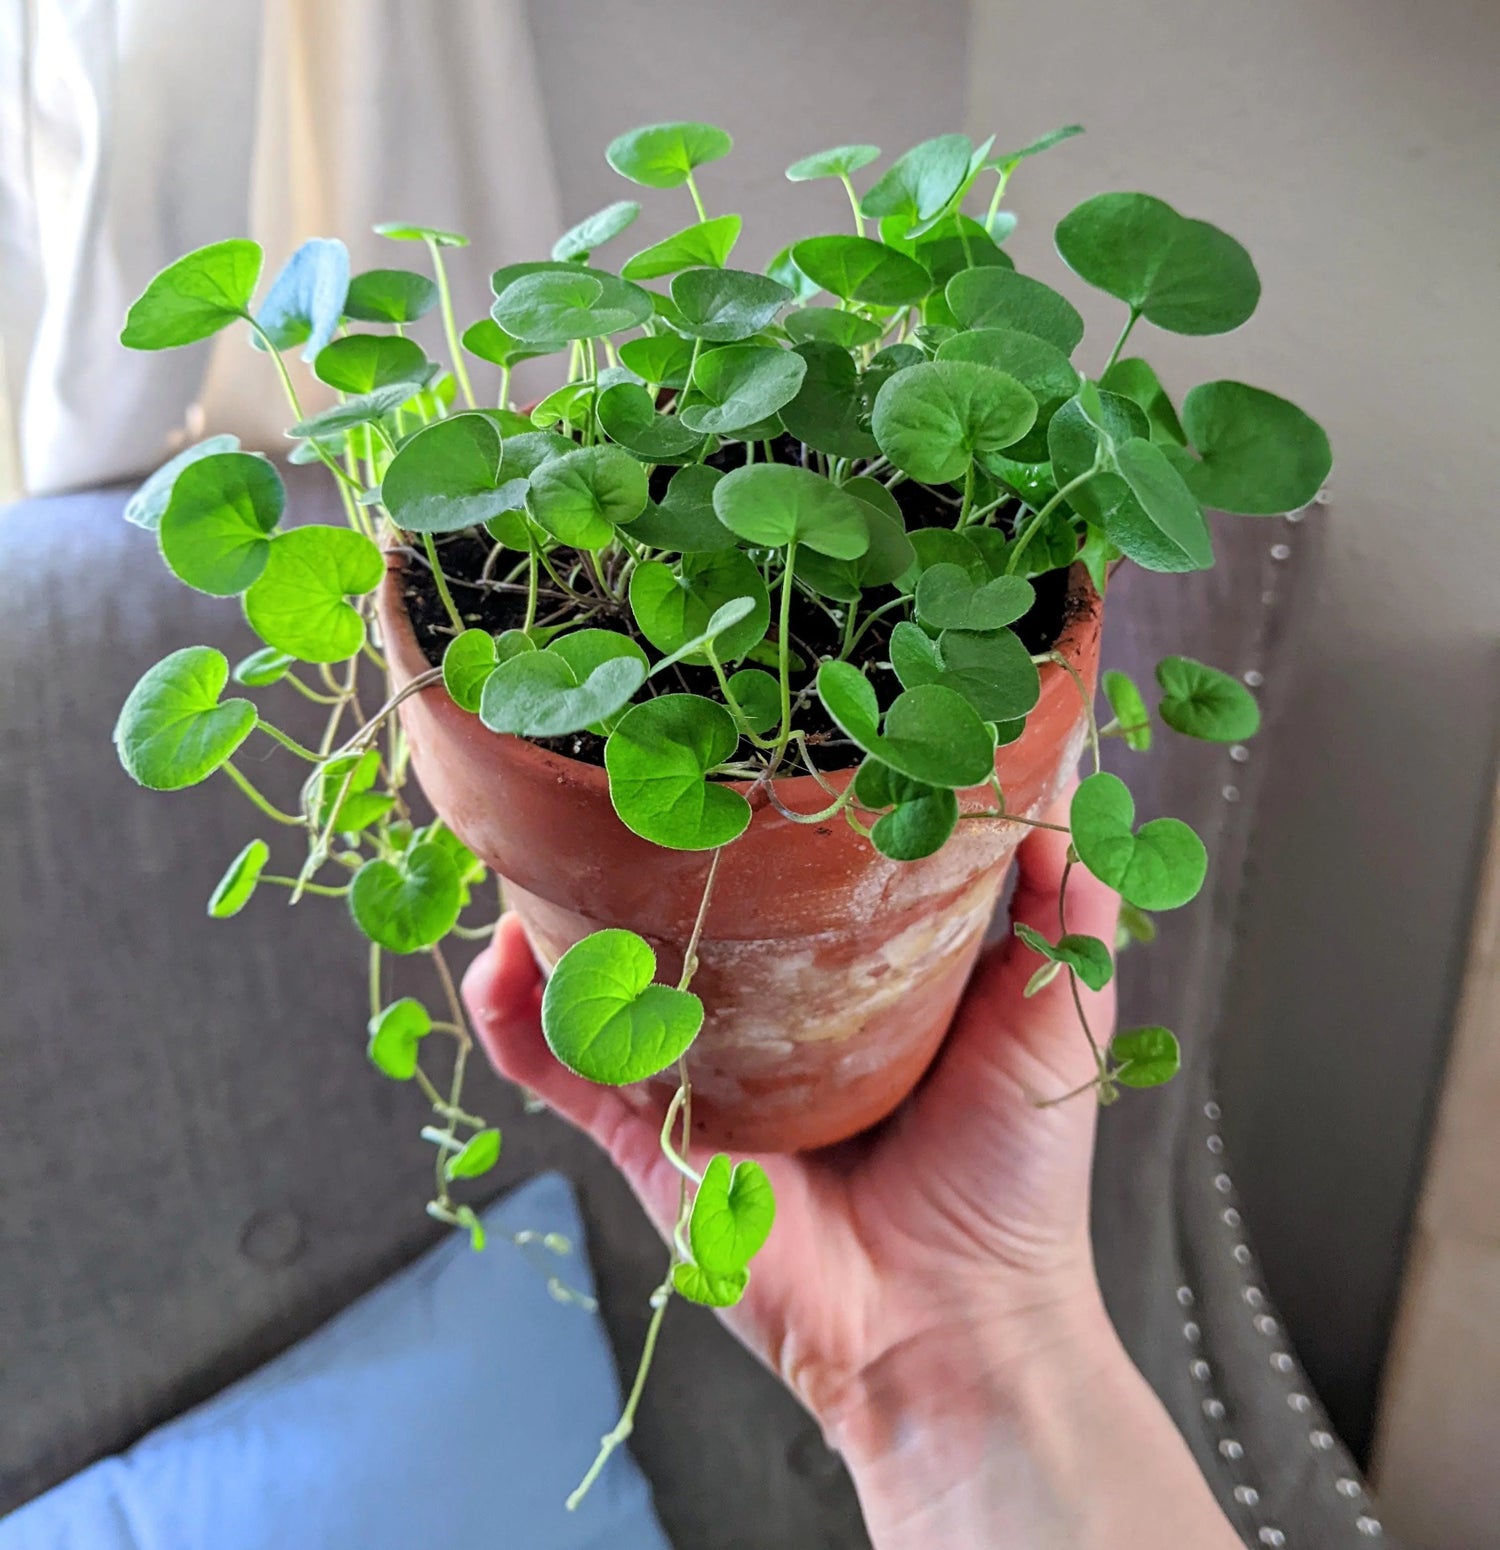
point(745, 658)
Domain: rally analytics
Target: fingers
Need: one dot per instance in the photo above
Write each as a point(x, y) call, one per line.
point(503, 992)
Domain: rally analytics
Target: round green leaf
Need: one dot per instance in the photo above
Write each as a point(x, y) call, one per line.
point(1146, 1057)
point(480, 1153)
point(145, 507)
point(1130, 709)
point(172, 730)
point(595, 230)
point(538, 694)
point(305, 303)
point(837, 163)
point(918, 186)
point(194, 297)
point(299, 604)
point(215, 531)
point(721, 306)
point(410, 903)
point(684, 519)
point(948, 598)
point(758, 695)
point(1040, 367)
point(921, 817)
point(580, 497)
point(785, 272)
point(262, 668)
point(1086, 956)
point(1158, 867)
point(491, 343)
point(404, 231)
point(934, 419)
point(658, 759)
point(1200, 701)
point(732, 1215)
point(889, 556)
point(468, 660)
point(359, 363)
point(739, 386)
point(674, 605)
point(660, 359)
point(389, 296)
point(831, 326)
point(992, 670)
point(1260, 455)
point(1135, 379)
point(829, 409)
point(604, 1018)
point(1173, 536)
point(861, 269)
point(705, 244)
point(233, 890)
point(664, 155)
point(775, 504)
point(395, 1033)
point(629, 416)
point(1185, 276)
point(708, 1290)
point(566, 301)
point(1001, 298)
point(956, 243)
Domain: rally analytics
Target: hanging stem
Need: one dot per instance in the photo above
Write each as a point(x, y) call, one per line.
point(288, 742)
point(272, 812)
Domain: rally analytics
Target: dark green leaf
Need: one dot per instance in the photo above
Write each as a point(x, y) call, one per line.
point(581, 496)
point(720, 306)
point(739, 386)
point(1041, 368)
point(145, 507)
point(1260, 454)
point(674, 604)
point(1200, 701)
point(1174, 536)
point(830, 325)
point(776, 504)
point(758, 695)
point(921, 817)
point(660, 359)
point(932, 420)
point(447, 477)
point(491, 343)
point(684, 520)
point(1134, 379)
point(860, 269)
point(948, 598)
point(629, 416)
point(1001, 298)
point(919, 185)
point(829, 408)
point(555, 305)
point(468, 660)
point(537, 694)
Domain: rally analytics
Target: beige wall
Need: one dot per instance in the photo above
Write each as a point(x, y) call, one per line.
point(1354, 145)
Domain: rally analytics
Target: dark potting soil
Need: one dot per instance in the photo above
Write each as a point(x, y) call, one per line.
point(494, 606)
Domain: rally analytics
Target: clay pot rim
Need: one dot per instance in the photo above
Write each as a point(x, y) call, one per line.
point(1082, 607)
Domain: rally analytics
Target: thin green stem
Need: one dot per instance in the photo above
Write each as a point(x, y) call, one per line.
point(450, 325)
point(859, 220)
point(1002, 178)
point(692, 188)
point(321, 888)
point(272, 812)
point(375, 979)
point(783, 652)
point(533, 578)
point(307, 691)
point(1086, 697)
point(1034, 526)
point(1114, 354)
point(441, 581)
point(288, 742)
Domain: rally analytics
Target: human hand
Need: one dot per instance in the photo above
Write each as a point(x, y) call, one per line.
point(928, 1290)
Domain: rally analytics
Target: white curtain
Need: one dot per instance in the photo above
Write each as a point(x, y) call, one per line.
point(134, 130)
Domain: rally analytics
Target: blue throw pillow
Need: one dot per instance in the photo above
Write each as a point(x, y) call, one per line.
point(456, 1405)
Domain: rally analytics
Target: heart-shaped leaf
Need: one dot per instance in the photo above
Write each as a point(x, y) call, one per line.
point(1183, 275)
point(1125, 701)
point(921, 817)
point(305, 304)
point(721, 306)
point(409, 903)
point(673, 605)
point(359, 363)
point(836, 163)
point(863, 270)
point(658, 759)
point(708, 1290)
point(931, 733)
point(934, 419)
point(684, 519)
point(776, 504)
point(629, 416)
point(1001, 298)
point(889, 556)
point(396, 1032)
point(1086, 956)
point(173, 730)
point(1039, 366)
point(1260, 455)
point(785, 272)
point(1146, 1057)
point(992, 670)
point(1160, 866)
point(215, 531)
point(468, 660)
point(537, 694)
point(299, 604)
point(664, 155)
point(918, 186)
point(580, 497)
point(732, 1215)
point(604, 1018)
point(491, 343)
point(478, 1155)
point(146, 506)
point(1200, 701)
point(559, 302)
point(956, 243)
point(829, 410)
point(193, 298)
point(586, 651)
point(740, 386)
point(948, 598)
point(707, 244)
point(660, 359)
point(595, 230)
point(232, 892)
point(389, 296)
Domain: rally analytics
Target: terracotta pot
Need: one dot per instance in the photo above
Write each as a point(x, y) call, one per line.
point(829, 973)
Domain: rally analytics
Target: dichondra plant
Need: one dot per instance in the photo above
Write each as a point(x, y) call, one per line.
point(767, 523)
